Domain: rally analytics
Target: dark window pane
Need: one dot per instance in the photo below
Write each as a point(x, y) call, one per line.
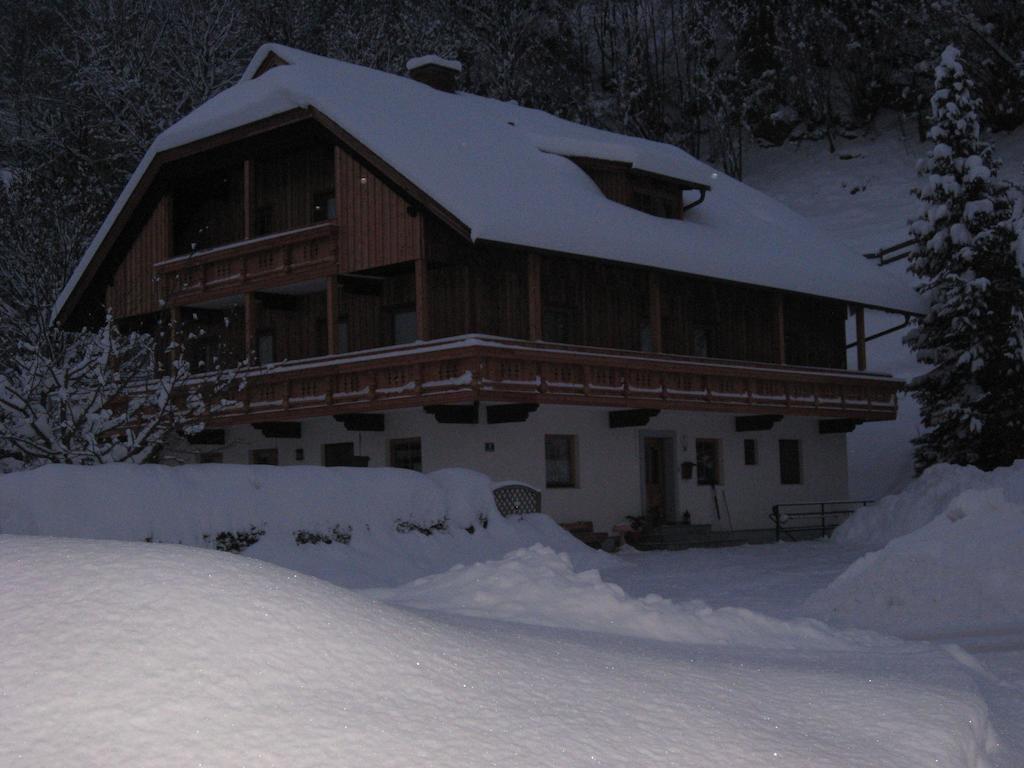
point(560, 461)
point(403, 326)
point(263, 456)
point(789, 462)
point(750, 452)
point(406, 454)
point(708, 463)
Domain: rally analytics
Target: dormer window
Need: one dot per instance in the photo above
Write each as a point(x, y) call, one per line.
point(651, 193)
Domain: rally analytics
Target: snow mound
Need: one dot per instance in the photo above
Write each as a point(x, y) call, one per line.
point(962, 572)
point(539, 586)
point(162, 655)
point(923, 500)
point(371, 527)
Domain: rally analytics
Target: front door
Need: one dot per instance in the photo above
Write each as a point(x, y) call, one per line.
point(655, 481)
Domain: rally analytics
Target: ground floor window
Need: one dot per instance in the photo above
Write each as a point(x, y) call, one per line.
point(406, 453)
point(560, 461)
point(750, 452)
point(789, 462)
point(343, 455)
point(212, 457)
point(709, 462)
point(263, 456)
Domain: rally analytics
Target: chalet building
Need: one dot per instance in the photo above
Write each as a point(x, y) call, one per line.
point(426, 278)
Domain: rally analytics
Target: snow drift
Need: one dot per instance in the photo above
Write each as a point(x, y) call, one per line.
point(539, 586)
point(951, 563)
point(360, 527)
point(159, 655)
point(922, 500)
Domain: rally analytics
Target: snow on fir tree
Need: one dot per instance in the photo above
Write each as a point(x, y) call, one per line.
point(972, 336)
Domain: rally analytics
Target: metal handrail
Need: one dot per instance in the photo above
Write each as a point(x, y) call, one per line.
point(778, 517)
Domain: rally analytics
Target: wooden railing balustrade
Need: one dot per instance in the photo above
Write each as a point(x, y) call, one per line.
point(250, 265)
point(465, 369)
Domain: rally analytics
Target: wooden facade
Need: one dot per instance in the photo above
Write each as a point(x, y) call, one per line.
point(290, 244)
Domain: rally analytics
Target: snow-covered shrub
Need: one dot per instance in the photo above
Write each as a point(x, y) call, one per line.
point(94, 396)
point(339, 534)
point(237, 541)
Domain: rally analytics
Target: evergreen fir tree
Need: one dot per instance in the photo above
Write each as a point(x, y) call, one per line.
point(972, 336)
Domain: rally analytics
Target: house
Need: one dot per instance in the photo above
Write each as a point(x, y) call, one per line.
point(427, 278)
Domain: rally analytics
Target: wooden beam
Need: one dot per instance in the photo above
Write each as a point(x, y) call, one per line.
point(455, 414)
point(534, 297)
point(838, 426)
point(780, 328)
point(250, 326)
point(332, 315)
point(633, 418)
point(361, 422)
point(757, 423)
point(338, 185)
point(247, 202)
point(862, 344)
point(510, 413)
point(422, 300)
point(654, 310)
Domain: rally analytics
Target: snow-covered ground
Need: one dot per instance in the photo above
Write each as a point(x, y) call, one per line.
point(861, 194)
point(511, 646)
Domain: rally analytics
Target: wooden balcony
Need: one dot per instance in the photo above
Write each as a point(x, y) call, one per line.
point(467, 369)
point(250, 265)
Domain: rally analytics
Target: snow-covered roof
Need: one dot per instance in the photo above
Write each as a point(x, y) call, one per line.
point(437, 61)
point(504, 171)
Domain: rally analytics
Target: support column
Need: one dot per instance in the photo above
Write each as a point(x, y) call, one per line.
point(534, 299)
point(332, 315)
point(780, 328)
point(654, 310)
point(250, 327)
point(247, 194)
point(862, 345)
point(422, 301)
point(337, 203)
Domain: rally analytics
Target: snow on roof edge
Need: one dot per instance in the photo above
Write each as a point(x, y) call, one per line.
point(421, 61)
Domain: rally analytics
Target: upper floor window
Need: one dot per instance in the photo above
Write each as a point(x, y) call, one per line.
point(555, 325)
point(208, 210)
point(403, 325)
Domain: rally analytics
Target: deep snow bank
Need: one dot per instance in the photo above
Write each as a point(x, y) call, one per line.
point(363, 527)
point(923, 500)
point(953, 562)
point(161, 655)
point(539, 586)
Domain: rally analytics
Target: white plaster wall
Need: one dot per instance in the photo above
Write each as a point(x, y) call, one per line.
point(609, 468)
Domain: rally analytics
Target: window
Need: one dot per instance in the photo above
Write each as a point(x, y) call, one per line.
point(560, 461)
point(709, 462)
point(750, 452)
point(555, 325)
point(789, 462)
point(265, 347)
point(211, 457)
point(343, 455)
point(403, 325)
point(646, 337)
point(342, 332)
point(263, 456)
point(406, 454)
point(324, 208)
point(703, 341)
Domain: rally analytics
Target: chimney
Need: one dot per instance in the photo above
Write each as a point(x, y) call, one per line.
point(434, 71)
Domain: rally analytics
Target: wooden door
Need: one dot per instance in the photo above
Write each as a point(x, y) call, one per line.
point(655, 481)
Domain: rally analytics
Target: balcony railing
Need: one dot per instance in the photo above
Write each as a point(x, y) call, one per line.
point(466, 369)
point(250, 265)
